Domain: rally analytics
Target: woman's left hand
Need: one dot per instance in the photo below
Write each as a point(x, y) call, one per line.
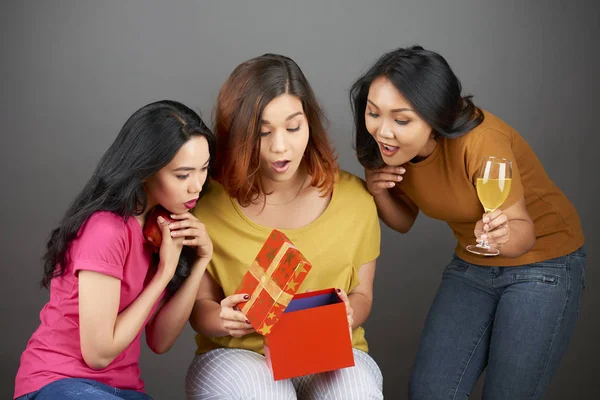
point(349, 310)
point(493, 228)
point(194, 231)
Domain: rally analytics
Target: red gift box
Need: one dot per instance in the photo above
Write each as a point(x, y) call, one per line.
point(271, 281)
point(311, 336)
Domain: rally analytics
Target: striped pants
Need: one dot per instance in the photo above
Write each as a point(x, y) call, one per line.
point(242, 374)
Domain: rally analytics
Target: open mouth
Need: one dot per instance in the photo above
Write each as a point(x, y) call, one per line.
point(281, 165)
point(190, 204)
point(388, 150)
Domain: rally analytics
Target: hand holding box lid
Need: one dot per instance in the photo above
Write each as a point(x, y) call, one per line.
point(271, 281)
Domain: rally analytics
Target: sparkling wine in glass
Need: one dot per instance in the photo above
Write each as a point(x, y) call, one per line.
point(493, 187)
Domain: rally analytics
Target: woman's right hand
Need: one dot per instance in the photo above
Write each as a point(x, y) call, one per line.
point(170, 250)
point(234, 321)
point(381, 179)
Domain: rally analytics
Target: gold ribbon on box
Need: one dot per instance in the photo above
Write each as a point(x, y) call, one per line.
point(266, 282)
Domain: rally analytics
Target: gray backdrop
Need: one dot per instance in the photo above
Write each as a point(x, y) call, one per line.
point(73, 71)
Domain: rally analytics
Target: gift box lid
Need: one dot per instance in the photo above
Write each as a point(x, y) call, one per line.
point(271, 281)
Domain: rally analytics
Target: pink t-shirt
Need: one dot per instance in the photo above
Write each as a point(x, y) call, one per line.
point(108, 245)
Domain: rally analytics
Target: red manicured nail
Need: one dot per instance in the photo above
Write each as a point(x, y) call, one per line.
point(246, 297)
point(339, 290)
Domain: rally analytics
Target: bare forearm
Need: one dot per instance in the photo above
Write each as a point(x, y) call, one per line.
point(129, 322)
point(206, 320)
point(394, 212)
point(169, 322)
point(361, 307)
point(522, 238)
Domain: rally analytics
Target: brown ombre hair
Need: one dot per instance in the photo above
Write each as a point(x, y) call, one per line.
point(249, 89)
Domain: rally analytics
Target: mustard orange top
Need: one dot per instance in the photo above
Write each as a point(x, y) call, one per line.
point(443, 187)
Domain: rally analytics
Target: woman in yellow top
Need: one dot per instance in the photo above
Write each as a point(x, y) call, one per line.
point(274, 168)
point(422, 144)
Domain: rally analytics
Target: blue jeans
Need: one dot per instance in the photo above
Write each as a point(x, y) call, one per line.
point(75, 389)
point(514, 321)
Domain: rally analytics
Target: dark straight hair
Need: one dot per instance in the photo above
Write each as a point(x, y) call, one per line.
point(427, 82)
point(147, 142)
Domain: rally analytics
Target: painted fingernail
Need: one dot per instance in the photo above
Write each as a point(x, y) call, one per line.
point(339, 290)
point(248, 322)
point(246, 297)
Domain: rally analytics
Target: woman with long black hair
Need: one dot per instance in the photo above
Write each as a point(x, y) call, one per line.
point(106, 280)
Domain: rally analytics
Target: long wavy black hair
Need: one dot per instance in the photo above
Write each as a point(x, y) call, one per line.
point(148, 141)
point(425, 79)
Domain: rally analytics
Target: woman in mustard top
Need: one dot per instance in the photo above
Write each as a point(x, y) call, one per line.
point(274, 168)
point(422, 144)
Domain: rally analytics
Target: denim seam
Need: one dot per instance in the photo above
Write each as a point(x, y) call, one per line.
point(469, 360)
point(530, 278)
point(556, 327)
point(545, 265)
point(456, 267)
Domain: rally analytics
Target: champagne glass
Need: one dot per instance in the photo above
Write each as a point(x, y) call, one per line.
point(493, 186)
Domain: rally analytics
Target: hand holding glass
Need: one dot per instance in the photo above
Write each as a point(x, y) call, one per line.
point(493, 187)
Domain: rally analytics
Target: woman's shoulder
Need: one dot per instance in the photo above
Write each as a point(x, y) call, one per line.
point(214, 195)
point(491, 125)
point(491, 128)
point(106, 230)
point(214, 203)
point(349, 184)
point(107, 222)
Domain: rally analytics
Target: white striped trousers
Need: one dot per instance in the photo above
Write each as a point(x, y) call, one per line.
point(242, 374)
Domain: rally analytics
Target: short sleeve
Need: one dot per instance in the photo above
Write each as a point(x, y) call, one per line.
point(491, 142)
point(101, 245)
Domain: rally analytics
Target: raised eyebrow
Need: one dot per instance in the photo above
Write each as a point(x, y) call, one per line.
point(373, 104)
point(191, 168)
point(293, 115)
point(184, 169)
point(265, 122)
point(401, 109)
point(394, 110)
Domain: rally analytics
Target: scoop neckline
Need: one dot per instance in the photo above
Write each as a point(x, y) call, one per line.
point(436, 151)
point(291, 231)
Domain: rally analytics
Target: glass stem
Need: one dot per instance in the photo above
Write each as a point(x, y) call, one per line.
point(483, 244)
